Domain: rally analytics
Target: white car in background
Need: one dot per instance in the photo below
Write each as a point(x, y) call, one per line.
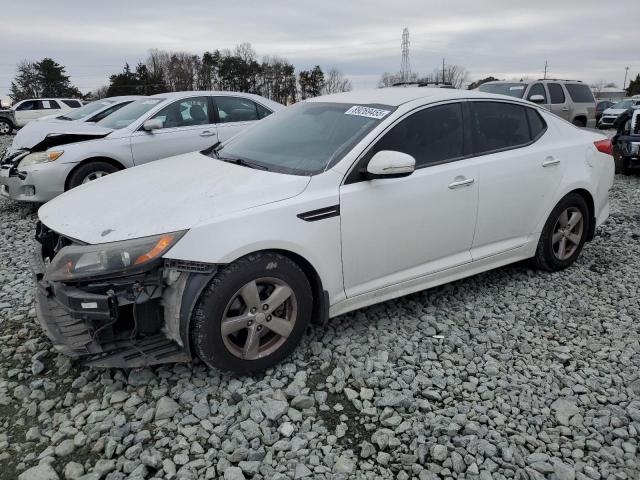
point(143, 131)
point(29, 136)
point(328, 206)
point(610, 115)
point(34, 108)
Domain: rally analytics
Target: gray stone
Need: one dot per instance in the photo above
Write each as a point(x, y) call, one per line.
point(166, 408)
point(44, 471)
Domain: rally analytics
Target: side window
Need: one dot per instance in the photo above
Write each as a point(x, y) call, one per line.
point(185, 113)
point(27, 105)
point(105, 113)
point(262, 111)
point(432, 135)
point(537, 125)
point(72, 103)
point(555, 92)
point(537, 89)
point(236, 109)
point(498, 126)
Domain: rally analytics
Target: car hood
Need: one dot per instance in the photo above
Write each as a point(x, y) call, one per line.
point(168, 195)
point(45, 134)
point(614, 111)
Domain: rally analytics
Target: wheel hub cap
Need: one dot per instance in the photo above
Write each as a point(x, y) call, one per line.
point(567, 233)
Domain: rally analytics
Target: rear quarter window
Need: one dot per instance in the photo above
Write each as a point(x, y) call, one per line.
point(579, 93)
point(497, 126)
point(72, 103)
point(537, 125)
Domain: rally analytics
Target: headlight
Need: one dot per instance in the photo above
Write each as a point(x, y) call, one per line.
point(39, 157)
point(126, 257)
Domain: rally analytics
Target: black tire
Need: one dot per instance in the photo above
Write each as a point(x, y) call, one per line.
point(6, 127)
point(81, 173)
point(545, 257)
point(579, 122)
point(207, 339)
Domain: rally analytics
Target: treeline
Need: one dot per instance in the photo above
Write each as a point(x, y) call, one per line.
point(45, 78)
point(238, 70)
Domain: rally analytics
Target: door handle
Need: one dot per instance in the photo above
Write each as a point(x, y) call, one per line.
point(461, 183)
point(550, 161)
point(565, 109)
point(207, 133)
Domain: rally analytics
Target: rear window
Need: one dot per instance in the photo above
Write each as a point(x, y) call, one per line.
point(498, 126)
point(72, 103)
point(579, 93)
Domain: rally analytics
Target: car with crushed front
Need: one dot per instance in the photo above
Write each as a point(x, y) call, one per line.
point(59, 159)
point(327, 206)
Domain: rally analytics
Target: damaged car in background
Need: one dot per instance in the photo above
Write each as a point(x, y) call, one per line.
point(626, 141)
point(52, 158)
point(229, 253)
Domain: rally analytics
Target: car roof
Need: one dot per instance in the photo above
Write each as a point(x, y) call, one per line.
point(122, 98)
point(395, 96)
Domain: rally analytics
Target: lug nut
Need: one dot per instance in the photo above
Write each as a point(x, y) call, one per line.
point(268, 318)
point(253, 310)
point(249, 323)
point(265, 307)
point(259, 327)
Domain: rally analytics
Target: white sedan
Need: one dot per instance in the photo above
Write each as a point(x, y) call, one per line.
point(330, 205)
point(148, 129)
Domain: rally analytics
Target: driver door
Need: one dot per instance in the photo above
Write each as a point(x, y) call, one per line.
point(397, 229)
point(188, 126)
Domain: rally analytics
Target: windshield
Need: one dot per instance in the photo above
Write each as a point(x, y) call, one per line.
point(127, 115)
point(306, 138)
point(623, 104)
point(88, 109)
point(511, 89)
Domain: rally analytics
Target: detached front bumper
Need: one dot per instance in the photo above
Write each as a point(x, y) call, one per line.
point(113, 323)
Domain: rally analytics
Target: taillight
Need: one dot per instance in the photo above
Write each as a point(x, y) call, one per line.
point(604, 146)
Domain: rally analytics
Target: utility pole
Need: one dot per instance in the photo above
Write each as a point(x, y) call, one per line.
point(545, 69)
point(405, 66)
point(443, 70)
point(624, 84)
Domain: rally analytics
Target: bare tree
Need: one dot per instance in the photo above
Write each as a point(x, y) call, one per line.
point(389, 79)
point(335, 82)
point(100, 92)
point(453, 74)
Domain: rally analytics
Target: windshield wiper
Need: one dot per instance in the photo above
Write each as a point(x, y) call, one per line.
point(244, 163)
point(62, 117)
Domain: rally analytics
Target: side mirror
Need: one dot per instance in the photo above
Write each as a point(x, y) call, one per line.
point(152, 124)
point(390, 164)
point(536, 98)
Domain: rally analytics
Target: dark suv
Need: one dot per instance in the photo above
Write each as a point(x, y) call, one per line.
point(569, 99)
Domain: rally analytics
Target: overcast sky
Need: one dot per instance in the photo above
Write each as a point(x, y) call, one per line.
point(587, 40)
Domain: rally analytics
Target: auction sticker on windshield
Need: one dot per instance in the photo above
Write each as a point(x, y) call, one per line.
point(376, 113)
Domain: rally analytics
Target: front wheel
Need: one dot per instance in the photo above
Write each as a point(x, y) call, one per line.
point(564, 234)
point(5, 127)
point(90, 171)
point(253, 314)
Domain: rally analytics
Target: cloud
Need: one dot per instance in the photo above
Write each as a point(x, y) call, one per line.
point(584, 39)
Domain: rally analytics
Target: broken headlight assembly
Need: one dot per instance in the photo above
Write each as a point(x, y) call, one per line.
point(39, 157)
point(75, 262)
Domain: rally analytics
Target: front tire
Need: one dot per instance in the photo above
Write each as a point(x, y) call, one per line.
point(6, 127)
point(90, 171)
point(253, 314)
point(564, 234)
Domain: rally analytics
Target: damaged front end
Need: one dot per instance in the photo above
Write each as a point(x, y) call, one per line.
point(128, 318)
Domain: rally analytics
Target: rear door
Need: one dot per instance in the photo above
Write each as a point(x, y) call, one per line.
point(233, 114)
point(26, 111)
point(519, 174)
point(188, 126)
point(558, 100)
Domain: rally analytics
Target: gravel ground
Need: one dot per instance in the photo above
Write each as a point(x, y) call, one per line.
point(509, 374)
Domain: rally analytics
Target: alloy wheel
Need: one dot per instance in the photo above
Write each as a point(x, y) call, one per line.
point(94, 176)
point(5, 128)
point(567, 233)
point(259, 318)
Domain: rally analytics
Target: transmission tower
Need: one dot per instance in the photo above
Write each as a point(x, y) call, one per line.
point(405, 67)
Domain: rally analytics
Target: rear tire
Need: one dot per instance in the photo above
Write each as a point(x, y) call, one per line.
point(579, 122)
point(6, 127)
point(90, 171)
point(564, 234)
point(252, 315)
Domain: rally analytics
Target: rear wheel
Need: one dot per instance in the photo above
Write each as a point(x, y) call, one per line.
point(5, 127)
point(619, 161)
point(564, 234)
point(89, 172)
point(253, 314)
point(579, 122)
